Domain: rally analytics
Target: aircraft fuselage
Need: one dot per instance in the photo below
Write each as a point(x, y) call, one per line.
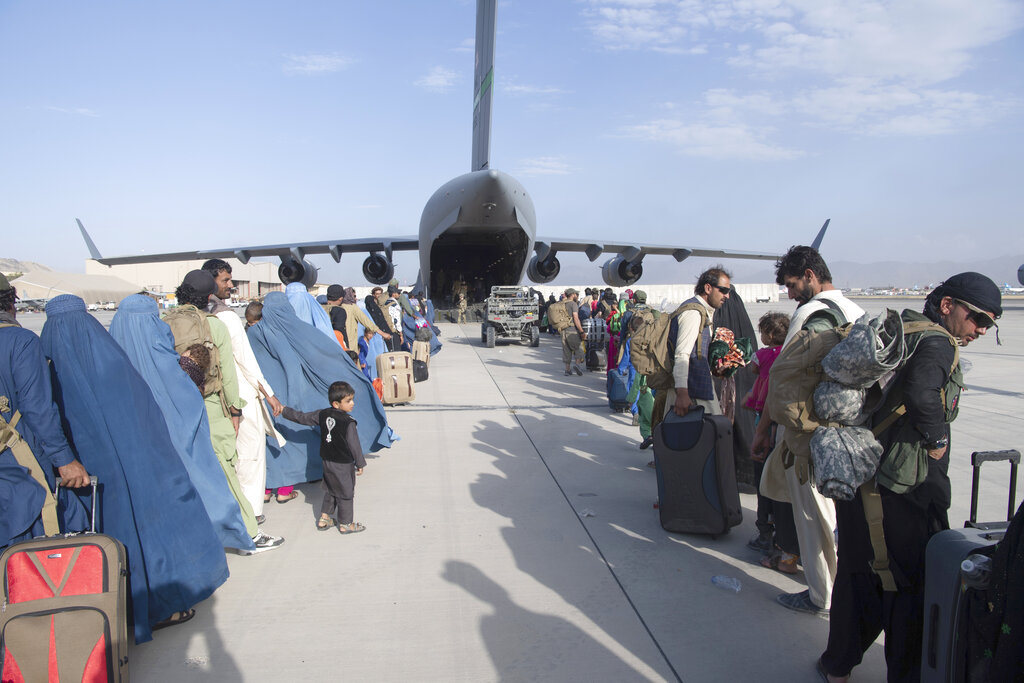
point(480, 226)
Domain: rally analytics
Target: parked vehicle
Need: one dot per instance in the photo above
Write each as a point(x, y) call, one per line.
point(511, 313)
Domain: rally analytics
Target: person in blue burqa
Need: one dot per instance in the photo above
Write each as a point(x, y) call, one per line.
point(30, 419)
point(149, 344)
point(146, 499)
point(417, 320)
point(308, 310)
point(301, 363)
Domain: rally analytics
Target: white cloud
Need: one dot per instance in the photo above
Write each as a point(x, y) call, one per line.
point(467, 45)
point(713, 141)
point(544, 166)
point(79, 111)
point(518, 89)
point(438, 79)
point(309, 64)
point(865, 66)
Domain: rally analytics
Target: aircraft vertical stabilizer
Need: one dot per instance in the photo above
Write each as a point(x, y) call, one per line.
point(483, 82)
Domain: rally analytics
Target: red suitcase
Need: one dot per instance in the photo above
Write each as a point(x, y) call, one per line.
point(63, 615)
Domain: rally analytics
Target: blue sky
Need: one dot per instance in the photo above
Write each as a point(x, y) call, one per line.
point(743, 123)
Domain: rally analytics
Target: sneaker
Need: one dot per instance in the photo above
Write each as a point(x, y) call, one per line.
point(800, 602)
point(636, 420)
point(761, 542)
point(646, 443)
point(567, 373)
point(260, 519)
point(577, 370)
point(263, 543)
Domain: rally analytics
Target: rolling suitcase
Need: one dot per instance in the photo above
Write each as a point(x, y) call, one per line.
point(617, 388)
point(396, 375)
point(697, 490)
point(597, 358)
point(64, 614)
point(946, 593)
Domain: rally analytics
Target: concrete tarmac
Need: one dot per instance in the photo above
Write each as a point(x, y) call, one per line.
point(512, 536)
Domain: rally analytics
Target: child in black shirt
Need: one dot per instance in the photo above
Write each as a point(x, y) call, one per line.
point(341, 453)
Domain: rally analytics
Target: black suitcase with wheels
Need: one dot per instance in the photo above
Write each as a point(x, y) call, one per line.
point(597, 359)
point(697, 490)
point(946, 596)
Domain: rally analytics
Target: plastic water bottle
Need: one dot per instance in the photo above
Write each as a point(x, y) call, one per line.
point(975, 570)
point(726, 582)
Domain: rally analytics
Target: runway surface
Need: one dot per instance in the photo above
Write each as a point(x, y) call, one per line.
point(512, 536)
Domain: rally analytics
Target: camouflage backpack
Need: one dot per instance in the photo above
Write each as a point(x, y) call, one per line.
point(792, 380)
point(190, 326)
point(649, 350)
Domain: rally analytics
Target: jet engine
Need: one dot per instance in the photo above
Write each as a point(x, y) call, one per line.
point(1020, 274)
point(618, 272)
point(543, 271)
point(378, 269)
point(302, 271)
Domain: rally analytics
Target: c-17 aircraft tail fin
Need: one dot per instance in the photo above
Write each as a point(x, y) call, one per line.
point(94, 253)
point(483, 82)
point(821, 235)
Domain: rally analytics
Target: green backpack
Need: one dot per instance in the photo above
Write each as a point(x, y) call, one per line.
point(558, 316)
point(649, 348)
point(190, 326)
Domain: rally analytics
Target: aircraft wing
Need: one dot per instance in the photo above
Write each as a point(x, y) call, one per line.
point(633, 252)
point(296, 251)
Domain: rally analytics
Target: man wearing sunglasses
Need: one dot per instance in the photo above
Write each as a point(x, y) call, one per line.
point(691, 371)
point(928, 384)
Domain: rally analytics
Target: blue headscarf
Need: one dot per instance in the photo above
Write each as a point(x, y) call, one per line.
point(146, 500)
point(308, 310)
point(149, 344)
point(374, 348)
point(300, 363)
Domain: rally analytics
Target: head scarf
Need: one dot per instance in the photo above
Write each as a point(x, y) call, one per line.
point(305, 307)
point(350, 296)
point(149, 345)
point(300, 363)
point(147, 500)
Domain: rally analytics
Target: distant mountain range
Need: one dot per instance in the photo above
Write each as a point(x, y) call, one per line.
point(660, 270)
point(11, 265)
point(845, 274)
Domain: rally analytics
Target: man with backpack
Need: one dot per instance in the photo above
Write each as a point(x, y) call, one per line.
point(820, 306)
point(192, 325)
point(912, 425)
point(564, 317)
point(692, 384)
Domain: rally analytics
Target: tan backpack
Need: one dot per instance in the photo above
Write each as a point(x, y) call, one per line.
point(649, 348)
point(190, 326)
point(558, 316)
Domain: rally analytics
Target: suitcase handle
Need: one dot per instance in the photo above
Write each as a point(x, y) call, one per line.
point(94, 483)
point(979, 457)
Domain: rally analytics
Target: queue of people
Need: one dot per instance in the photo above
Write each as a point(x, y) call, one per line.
point(242, 402)
point(799, 528)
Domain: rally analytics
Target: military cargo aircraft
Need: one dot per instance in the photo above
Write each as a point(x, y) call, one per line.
point(481, 225)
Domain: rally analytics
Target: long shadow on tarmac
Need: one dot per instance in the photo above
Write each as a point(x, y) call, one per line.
point(519, 641)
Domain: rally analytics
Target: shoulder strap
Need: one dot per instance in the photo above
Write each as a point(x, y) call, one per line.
point(705, 321)
point(873, 514)
point(10, 438)
point(832, 312)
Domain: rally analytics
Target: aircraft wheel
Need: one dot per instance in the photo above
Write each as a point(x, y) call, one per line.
point(489, 340)
point(534, 336)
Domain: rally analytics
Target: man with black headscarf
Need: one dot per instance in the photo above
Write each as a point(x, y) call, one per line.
point(927, 387)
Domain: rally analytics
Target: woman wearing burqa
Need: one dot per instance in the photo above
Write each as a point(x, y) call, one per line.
point(146, 500)
point(149, 344)
point(300, 362)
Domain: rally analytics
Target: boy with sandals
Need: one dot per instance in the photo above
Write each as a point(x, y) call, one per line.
point(341, 454)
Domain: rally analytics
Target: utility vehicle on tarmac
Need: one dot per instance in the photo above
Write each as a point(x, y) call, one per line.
point(511, 313)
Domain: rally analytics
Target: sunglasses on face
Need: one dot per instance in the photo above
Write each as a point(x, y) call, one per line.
point(723, 290)
point(980, 320)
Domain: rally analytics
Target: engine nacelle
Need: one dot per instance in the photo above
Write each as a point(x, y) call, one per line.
point(302, 271)
point(543, 271)
point(378, 270)
point(1020, 275)
point(618, 272)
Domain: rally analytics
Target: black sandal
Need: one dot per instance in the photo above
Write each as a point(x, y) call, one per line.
point(176, 618)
